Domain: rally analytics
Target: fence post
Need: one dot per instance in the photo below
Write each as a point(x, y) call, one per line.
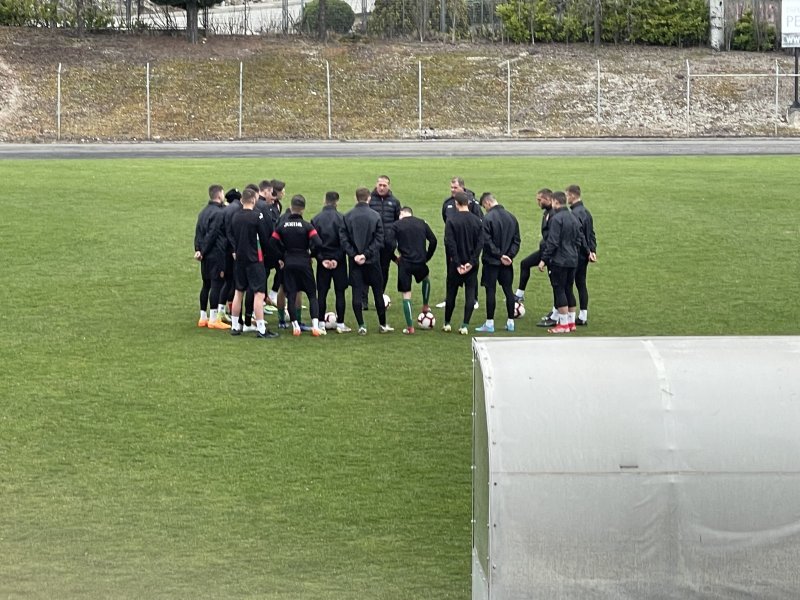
point(147, 93)
point(598, 96)
point(419, 100)
point(508, 98)
point(328, 83)
point(241, 95)
point(58, 104)
point(688, 92)
point(777, 76)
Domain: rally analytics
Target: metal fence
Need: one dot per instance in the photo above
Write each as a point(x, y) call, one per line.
point(514, 98)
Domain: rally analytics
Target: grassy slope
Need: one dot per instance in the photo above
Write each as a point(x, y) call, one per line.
point(143, 457)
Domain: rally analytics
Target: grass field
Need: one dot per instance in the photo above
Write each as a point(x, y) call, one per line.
point(145, 458)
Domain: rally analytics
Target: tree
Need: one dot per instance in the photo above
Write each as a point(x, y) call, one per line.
point(192, 8)
point(339, 17)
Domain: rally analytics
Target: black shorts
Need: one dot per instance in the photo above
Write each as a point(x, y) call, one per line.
point(407, 270)
point(365, 275)
point(250, 277)
point(299, 279)
point(494, 274)
point(212, 267)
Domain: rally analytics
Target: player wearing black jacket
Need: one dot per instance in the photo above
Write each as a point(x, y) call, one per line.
point(449, 207)
point(543, 200)
point(560, 255)
point(248, 228)
point(296, 241)
point(501, 241)
point(234, 205)
point(383, 202)
point(588, 252)
point(463, 240)
point(415, 244)
point(362, 238)
point(210, 245)
point(331, 264)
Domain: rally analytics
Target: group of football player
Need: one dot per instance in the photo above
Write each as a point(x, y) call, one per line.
point(243, 238)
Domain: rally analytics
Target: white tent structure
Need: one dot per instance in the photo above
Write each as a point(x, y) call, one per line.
point(636, 468)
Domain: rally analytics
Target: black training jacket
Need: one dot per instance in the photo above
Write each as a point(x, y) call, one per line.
point(328, 223)
point(247, 228)
point(463, 238)
point(387, 207)
point(449, 206)
point(295, 240)
point(500, 235)
point(227, 223)
point(209, 233)
point(413, 238)
point(562, 244)
point(362, 232)
point(588, 239)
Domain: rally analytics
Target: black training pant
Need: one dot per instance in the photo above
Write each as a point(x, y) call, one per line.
point(339, 278)
point(455, 281)
point(491, 276)
point(562, 279)
point(580, 282)
point(363, 277)
point(529, 262)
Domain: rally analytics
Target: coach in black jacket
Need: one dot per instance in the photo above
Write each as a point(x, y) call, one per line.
point(383, 202)
point(560, 255)
point(501, 241)
point(362, 239)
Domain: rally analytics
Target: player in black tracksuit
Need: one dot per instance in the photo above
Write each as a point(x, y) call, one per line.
point(383, 202)
point(501, 241)
point(415, 244)
point(232, 196)
point(543, 199)
point(588, 252)
point(296, 241)
point(463, 240)
point(210, 245)
point(362, 238)
point(560, 255)
point(449, 207)
point(331, 265)
point(249, 229)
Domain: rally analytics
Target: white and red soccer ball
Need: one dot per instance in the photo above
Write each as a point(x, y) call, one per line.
point(519, 310)
point(426, 320)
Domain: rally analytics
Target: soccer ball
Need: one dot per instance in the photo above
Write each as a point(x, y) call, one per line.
point(387, 300)
point(426, 320)
point(519, 310)
point(330, 320)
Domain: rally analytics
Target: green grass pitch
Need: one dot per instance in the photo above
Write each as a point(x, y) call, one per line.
point(142, 457)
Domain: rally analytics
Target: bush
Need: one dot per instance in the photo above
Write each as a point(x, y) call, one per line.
point(339, 16)
point(747, 35)
point(520, 17)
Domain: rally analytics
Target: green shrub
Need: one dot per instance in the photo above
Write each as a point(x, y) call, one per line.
point(747, 35)
point(339, 17)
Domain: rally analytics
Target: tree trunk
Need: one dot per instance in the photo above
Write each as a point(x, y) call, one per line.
point(598, 24)
point(80, 20)
point(191, 21)
point(322, 21)
point(128, 13)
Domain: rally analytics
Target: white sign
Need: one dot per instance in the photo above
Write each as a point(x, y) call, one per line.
point(790, 24)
